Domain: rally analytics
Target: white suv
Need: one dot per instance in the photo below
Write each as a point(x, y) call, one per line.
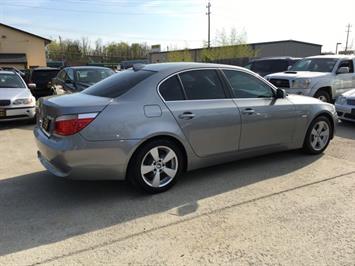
point(324, 77)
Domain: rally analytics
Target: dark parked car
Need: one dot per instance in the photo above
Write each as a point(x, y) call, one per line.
point(266, 66)
point(41, 77)
point(75, 79)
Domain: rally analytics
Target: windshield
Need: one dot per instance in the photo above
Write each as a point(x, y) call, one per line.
point(315, 65)
point(92, 76)
point(11, 81)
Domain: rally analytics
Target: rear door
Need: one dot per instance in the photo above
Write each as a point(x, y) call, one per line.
point(266, 121)
point(200, 104)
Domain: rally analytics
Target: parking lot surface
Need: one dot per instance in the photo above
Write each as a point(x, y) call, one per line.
point(286, 208)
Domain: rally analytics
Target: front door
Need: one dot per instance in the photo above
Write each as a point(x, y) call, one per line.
point(344, 81)
point(209, 120)
point(266, 121)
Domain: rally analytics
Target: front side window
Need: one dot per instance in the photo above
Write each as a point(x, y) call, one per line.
point(70, 74)
point(11, 81)
point(202, 85)
point(347, 63)
point(61, 75)
point(247, 86)
point(171, 90)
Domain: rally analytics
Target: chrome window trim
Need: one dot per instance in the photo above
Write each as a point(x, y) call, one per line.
point(183, 71)
point(261, 79)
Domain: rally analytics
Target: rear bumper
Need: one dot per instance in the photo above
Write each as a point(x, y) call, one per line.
point(76, 158)
point(21, 113)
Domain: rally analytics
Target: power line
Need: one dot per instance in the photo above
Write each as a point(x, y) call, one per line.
point(100, 12)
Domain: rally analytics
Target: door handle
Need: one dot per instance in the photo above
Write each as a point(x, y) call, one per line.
point(186, 115)
point(248, 111)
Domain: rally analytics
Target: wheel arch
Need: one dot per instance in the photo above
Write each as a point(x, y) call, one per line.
point(327, 89)
point(327, 115)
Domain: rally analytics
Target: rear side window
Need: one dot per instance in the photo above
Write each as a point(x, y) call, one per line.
point(202, 85)
point(43, 75)
point(171, 90)
point(118, 84)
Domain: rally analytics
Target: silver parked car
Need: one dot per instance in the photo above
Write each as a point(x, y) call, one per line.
point(153, 123)
point(345, 106)
point(16, 100)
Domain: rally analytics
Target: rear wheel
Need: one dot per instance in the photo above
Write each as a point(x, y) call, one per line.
point(318, 135)
point(156, 166)
point(323, 96)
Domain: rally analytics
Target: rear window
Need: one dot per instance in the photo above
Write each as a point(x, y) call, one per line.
point(118, 84)
point(43, 75)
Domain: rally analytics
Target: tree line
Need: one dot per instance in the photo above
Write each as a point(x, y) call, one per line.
point(83, 52)
point(225, 46)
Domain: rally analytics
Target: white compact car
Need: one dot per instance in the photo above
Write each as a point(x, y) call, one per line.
point(16, 100)
point(345, 106)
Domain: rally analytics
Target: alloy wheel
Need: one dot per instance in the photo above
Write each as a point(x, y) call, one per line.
point(319, 135)
point(159, 166)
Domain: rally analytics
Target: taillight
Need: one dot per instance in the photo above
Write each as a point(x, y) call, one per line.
point(67, 125)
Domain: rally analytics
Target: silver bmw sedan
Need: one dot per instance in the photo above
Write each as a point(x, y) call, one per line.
point(151, 123)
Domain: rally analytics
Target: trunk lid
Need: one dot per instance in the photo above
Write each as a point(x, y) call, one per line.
point(49, 108)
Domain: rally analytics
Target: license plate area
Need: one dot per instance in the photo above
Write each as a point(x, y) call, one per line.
point(2, 113)
point(46, 123)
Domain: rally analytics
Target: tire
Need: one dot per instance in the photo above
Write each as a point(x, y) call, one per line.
point(318, 135)
point(323, 96)
point(148, 169)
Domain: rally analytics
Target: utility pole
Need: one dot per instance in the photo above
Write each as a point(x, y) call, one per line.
point(209, 23)
point(347, 36)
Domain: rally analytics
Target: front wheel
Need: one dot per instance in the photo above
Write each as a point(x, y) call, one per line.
point(318, 135)
point(323, 96)
point(156, 166)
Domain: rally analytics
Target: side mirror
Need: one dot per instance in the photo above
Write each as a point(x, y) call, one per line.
point(280, 93)
point(289, 67)
point(31, 86)
point(343, 70)
point(68, 81)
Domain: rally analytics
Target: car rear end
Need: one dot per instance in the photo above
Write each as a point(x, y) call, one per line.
point(42, 77)
point(66, 149)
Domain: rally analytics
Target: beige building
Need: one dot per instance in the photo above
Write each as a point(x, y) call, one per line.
point(21, 49)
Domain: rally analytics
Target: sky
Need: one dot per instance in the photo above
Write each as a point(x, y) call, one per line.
point(183, 23)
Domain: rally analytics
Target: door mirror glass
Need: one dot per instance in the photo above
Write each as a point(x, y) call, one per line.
point(280, 93)
point(343, 70)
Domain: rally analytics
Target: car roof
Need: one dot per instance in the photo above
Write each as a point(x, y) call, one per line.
point(333, 56)
point(276, 58)
point(176, 67)
point(8, 72)
point(86, 67)
point(45, 68)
